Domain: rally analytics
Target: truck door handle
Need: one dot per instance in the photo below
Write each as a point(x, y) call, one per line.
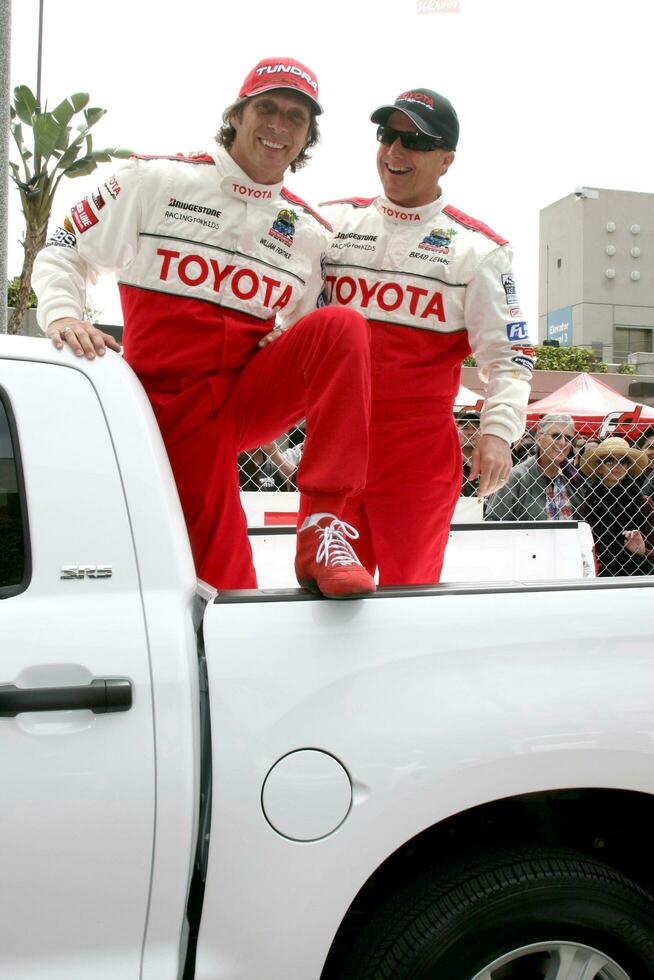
point(100, 696)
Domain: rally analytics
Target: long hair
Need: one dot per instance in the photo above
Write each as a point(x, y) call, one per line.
point(226, 134)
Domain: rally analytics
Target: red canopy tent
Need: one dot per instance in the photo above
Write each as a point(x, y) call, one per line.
point(590, 402)
point(466, 398)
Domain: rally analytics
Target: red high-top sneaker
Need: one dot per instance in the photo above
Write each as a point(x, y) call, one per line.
point(326, 562)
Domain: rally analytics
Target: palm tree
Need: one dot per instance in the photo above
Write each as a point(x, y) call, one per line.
point(57, 151)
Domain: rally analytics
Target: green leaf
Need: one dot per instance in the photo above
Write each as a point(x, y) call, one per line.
point(47, 134)
point(82, 167)
point(25, 104)
point(119, 154)
point(71, 154)
point(93, 115)
point(110, 153)
point(80, 100)
point(64, 112)
point(64, 138)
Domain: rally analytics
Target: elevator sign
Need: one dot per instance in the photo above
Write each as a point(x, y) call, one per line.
point(559, 326)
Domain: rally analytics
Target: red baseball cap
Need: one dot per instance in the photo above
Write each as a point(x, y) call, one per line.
point(274, 73)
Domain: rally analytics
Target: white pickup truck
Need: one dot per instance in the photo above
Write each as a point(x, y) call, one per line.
point(438, 783)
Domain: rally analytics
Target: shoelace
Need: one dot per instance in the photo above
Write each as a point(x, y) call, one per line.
point(334, 546)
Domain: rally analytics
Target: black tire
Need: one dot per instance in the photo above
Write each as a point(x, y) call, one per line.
point(453, 926)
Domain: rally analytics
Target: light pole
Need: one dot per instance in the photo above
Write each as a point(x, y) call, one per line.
point(5, 60)
point(38, 56)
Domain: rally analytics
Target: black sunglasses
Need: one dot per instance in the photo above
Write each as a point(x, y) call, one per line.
point(410, 141)
point(614, 461)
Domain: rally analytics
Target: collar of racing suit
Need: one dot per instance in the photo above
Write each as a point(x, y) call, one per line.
point(235, 182)
point(399, 215)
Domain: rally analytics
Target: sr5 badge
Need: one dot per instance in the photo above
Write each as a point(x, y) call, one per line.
point(87, 571)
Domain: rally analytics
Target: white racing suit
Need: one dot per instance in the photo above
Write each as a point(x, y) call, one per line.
point(435, 286)
point(207, 259)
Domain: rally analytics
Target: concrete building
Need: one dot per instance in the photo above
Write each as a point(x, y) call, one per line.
point(596, 275)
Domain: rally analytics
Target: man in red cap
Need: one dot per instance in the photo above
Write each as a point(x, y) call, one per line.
point(214, 258)
point(435, 286)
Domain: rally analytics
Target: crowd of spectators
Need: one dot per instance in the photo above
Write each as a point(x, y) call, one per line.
point(609, 483)
point(558, 474)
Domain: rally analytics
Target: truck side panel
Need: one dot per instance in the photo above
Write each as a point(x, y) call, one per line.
point(431, 704)
point(90, 409)
point(77, 818)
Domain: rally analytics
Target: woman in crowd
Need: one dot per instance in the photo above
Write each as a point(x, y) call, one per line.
point(579, 446)
point(645, 442)
point(615, 507)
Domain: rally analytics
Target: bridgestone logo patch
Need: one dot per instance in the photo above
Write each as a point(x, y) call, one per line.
point(199, 208)
point(357, 238)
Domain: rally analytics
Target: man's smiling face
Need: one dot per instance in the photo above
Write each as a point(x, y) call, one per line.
point(410, 177)
point(271, 131)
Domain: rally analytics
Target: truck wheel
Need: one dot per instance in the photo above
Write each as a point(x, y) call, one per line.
point(529, 915)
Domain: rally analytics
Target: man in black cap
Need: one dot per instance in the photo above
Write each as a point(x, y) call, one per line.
point(435, 285)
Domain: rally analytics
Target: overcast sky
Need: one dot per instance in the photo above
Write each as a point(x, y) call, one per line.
point(550, 96)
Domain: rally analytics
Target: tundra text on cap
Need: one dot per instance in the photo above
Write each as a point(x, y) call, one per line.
point(272, 73)
point(430, 112)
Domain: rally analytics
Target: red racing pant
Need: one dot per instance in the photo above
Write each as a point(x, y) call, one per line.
point(404, 512)
point(318, 370)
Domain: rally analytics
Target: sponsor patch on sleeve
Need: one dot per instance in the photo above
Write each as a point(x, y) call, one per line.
point(98, 199)
point(517, 330)
point(524, 356)
point(83, 216)
point(524, 362)
point(63, 238)
point(113, 187)
point(508, 283)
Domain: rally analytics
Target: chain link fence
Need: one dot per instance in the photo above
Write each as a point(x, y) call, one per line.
point(562, 470)
point(565, 470)
point(273, 466)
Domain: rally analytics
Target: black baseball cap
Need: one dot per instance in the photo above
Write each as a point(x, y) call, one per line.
point(432, 114)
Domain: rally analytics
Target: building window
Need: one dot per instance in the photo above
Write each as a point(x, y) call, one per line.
point(14, 565)
point(631, 340)
point(558, 263)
